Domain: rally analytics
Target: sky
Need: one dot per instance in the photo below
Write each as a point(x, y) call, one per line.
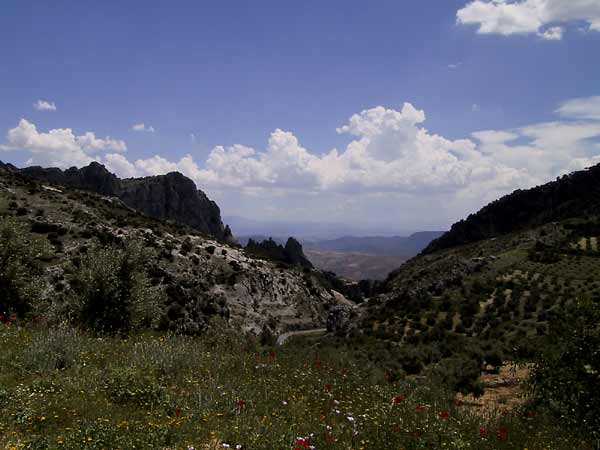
point(405, 115)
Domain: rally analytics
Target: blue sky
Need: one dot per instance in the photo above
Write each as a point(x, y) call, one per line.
point(234, 72)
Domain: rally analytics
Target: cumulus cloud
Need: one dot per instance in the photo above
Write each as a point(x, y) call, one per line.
point(59, 147)
point(546, 18)
point(142, 127)
point(43, 105)
point(391, 163)
point(581, 108)
point(390, 152)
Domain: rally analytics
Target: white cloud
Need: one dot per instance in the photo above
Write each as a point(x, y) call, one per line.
point(581, 108)
point(539, 17)
point(454, 65)
point(143, 127)
point(553, 34)
point(59, 147)
point(392, 168)
point(43, 105)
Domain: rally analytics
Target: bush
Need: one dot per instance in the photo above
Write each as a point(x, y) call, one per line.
point(20, 267)
point(126, 385)
point(567, 372)
point(459, 374)
point(113, 292)
point(54, 349)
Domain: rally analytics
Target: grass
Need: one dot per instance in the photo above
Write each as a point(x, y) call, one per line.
point(61, 389)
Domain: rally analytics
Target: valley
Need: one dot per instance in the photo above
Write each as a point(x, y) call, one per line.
point(106, 303)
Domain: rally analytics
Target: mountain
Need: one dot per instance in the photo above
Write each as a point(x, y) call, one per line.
point(305, 230)
point(572, 195)
point(168, 197)
point(200, 277)
point(379, 245)
point(490, 289)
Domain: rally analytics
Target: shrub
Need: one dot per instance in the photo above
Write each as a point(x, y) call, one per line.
point(567, 371)
point(53, 349)
point(113, 292)
point(459, 374)
point(127, 385)
point(20, 267)
point(168, 354)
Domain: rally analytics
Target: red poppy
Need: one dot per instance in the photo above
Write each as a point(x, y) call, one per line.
point(178, 412)
point(420, 409)
point(317, 363)
point(272, 355)
point(13, 319)
point(502, 435)
point(458, 403)
point(483, 432)
point(241, 404)
point(330, 438)
point(398, 399)
point(301, 443)
point(444, 415)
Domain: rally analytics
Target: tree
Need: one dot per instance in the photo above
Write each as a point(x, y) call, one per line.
point(113, 292)
point(566, 375)
point(20, 267)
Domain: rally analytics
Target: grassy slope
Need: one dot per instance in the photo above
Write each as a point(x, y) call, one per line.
point(162, 391)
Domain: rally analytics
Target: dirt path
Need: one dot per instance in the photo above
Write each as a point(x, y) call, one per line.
point(285, 336)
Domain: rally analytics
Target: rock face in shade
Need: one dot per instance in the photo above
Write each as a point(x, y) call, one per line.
point(175, 197)
point(573, 195)
point(169, 197)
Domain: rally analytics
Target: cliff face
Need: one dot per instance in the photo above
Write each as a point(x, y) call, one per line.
point(174, 197)
point(169, 197)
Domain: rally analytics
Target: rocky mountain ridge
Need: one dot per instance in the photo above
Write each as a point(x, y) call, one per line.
point(572, 195)
point(168, 197)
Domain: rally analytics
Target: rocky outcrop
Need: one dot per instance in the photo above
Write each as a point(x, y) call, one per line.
point(291, 254)
point(168, 197)
point(174, 197)
point(341, 320)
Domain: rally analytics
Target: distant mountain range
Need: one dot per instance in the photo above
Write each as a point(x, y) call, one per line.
point(357, 258)
point(405, 246)
point(306, 230)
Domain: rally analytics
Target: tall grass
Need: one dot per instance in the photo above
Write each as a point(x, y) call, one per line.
point(171, 392)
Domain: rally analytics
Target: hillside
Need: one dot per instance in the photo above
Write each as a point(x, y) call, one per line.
point(167, 197)
point(492, 298)
point(199, 276)
point(573, 195)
